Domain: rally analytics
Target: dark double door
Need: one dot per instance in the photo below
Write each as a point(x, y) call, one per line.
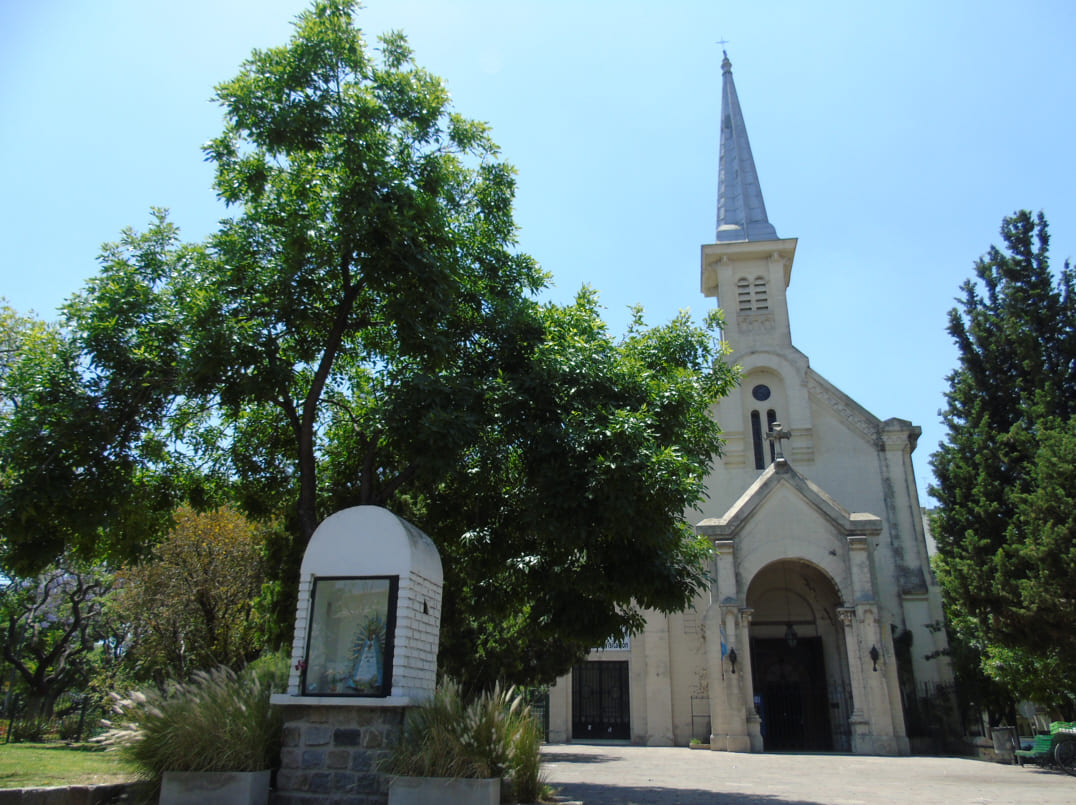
point(600, 704)
point(791, 695)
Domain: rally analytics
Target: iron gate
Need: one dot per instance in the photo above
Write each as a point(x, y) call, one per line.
point(600, 706)
point(792, 696)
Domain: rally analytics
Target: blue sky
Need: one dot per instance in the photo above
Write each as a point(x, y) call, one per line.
point(890, 138)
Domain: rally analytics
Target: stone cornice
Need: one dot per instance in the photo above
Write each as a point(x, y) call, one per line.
point(900, 434)
point(716, 256)
point(852, 412)
point(723, 530)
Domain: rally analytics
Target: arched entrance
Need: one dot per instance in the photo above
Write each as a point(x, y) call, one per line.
point(798, 668)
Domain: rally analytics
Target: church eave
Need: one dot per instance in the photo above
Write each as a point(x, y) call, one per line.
point(714, 254)
point(748, 249)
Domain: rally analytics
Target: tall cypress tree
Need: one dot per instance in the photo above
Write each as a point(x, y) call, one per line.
point(1006, 548)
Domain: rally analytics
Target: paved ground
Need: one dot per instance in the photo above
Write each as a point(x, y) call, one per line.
point(636, 775)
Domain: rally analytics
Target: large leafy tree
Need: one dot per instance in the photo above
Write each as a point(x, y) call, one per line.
point(80, 418)
point(363, 330)
point(370, 265)
point(569, 509)
point(1006, 541)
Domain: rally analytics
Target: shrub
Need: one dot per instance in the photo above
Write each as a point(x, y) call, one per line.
point(71, 727)
point(495, 735)
point(35, 729)
point(528, 781)
point(220, 721)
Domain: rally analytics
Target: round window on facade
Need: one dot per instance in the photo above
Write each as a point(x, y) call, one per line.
point(761, 392)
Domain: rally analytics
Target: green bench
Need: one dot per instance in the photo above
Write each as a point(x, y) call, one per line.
point(1055, 748)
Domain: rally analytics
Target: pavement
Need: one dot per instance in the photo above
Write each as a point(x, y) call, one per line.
point(639, 775)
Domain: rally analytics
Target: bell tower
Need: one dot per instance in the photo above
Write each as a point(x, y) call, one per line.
point(748, 268)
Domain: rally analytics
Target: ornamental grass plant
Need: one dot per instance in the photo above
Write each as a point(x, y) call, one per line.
point(528, 782)
point(219, 721)
point(494, 735)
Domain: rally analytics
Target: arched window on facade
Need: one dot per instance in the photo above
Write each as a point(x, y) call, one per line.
point(761, 393)
point(743, 295)
point(756, 439)
point(771, 417)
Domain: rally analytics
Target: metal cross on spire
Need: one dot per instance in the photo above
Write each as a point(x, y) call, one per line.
point(777, 435)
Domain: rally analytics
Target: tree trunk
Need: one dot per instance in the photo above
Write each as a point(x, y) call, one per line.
point(40, 704)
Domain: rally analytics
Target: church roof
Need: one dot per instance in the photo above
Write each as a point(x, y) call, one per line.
point(741, 213)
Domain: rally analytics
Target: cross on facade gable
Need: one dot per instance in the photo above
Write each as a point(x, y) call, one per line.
point(778, 435)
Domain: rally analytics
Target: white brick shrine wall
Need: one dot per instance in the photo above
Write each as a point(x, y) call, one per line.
point(371, 541)
point(418, 621)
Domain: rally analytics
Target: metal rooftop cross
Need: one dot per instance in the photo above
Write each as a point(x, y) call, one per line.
point(778, 435)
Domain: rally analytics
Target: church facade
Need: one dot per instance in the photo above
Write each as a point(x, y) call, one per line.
point(822, 619)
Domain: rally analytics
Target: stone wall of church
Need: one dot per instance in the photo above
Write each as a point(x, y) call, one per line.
point(690, 685)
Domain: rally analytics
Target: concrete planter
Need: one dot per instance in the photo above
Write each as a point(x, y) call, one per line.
point(444, 791)
point(215, 788)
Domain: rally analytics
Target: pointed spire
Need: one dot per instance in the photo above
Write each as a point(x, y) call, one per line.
point(741, 213)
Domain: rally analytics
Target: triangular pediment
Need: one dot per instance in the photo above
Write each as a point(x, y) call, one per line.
point(780, 477)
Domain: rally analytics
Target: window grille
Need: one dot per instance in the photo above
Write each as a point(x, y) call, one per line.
point(761, 294)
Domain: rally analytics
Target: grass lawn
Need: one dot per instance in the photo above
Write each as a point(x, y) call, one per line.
point(40, 765)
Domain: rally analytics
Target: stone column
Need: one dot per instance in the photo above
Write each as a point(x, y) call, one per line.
point(754, 721)
point(860, 567)
point(736, 738)
point(857, 720)
point(658, 693)
point(886, 720)
point(862, 592)
point(560, 716)
point(883, 731)
point(728, 714)
point(715, 672)
point(722, 589)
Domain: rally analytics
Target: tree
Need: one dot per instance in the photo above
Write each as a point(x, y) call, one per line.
point(16, 332)
point(190, 606)
point(370, 266)
point(364, 331)
point(49, 631)
point(78, 450)
point(567, 517)
point(1006, 544)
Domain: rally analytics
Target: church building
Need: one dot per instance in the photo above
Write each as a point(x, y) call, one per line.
point(821, 622)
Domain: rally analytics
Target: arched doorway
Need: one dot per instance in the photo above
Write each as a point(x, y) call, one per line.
point(798, 668)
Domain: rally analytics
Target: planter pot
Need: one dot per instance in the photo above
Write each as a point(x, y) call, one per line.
point(215, 788)
point(444, 791)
